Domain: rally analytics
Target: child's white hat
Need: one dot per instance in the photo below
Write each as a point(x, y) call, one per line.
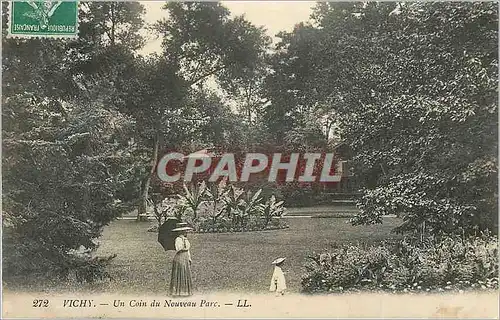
point(279, 260)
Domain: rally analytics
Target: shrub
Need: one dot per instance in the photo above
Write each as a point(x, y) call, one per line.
point(219, 207)
point(225, 224)
point(449, 263)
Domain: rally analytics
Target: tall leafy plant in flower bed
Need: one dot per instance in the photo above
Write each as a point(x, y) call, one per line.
point(194, 197)
point(248, 206)
point(272, 209)
point(215, 195)
point(451, 263)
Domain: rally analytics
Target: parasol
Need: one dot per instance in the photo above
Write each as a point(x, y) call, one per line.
point(165, 235)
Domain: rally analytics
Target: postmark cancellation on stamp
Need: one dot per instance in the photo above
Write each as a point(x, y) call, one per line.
point(43, 19)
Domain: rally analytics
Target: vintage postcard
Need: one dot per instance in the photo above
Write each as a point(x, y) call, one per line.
point(246, 159)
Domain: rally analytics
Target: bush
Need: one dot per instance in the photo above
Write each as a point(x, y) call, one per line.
point(64, 186)
point(78, 264)
point(225, 224)
point(445, 264)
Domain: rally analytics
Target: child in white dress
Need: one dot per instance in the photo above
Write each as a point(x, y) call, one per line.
point(278, 282)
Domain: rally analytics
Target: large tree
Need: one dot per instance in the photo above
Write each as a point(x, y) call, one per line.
point(431, 126)
point(201, 43)
point(413, 88)
point(66, 154)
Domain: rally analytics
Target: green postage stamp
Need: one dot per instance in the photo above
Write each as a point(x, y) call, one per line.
point(43, 19)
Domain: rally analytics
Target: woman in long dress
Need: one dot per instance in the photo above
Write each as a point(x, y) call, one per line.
point(180, 282)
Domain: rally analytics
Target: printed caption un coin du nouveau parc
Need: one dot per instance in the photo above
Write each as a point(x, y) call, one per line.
point(154, 303)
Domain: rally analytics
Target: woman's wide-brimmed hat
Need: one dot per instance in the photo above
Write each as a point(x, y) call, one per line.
point(182, 226)
point(278, 261)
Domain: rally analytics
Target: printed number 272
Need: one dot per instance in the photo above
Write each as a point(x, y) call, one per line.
point(38, 303)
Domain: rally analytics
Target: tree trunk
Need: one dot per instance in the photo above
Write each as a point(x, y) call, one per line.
point(112, 36)
point(141, 212)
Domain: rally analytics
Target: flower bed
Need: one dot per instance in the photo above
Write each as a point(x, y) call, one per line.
point(451, 264)
point(218, 207)
point(207, 225)
point(226, 226)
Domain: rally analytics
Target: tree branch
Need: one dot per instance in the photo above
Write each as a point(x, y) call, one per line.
point(206, 75)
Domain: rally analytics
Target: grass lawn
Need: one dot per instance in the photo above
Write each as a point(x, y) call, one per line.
point(230, 262)
point(322, 209)
point(226, 262)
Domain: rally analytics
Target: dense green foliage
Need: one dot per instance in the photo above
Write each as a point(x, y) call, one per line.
point(412, 89)
point(451, 263)
point(167, 94)
point(66, 156)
